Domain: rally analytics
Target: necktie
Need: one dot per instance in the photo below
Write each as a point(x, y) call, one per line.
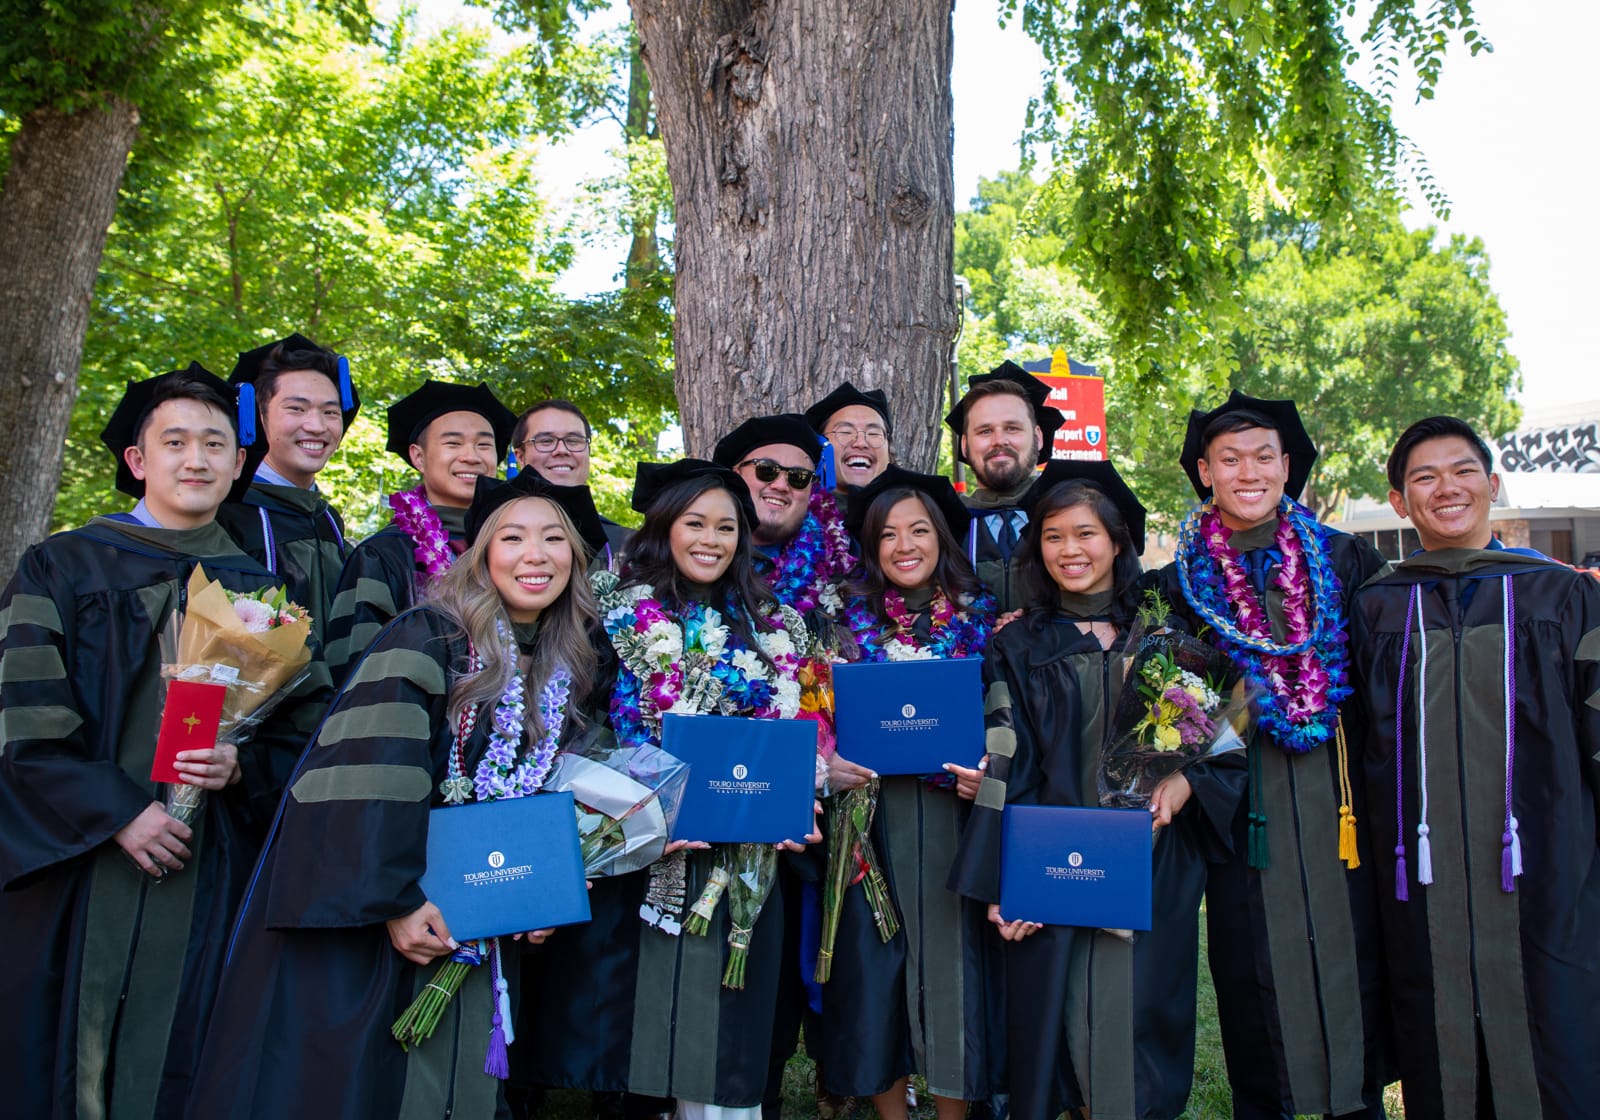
point(1259, 562)
point(1008, 535)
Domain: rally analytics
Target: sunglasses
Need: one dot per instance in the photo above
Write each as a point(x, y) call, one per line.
point(768, 471)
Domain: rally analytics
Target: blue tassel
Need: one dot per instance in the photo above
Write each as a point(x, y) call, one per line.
point(247, 414)
point(347, 392)
point(826, 468)
point(511, 465)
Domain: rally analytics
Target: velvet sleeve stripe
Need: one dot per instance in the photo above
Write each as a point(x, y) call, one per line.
point(368, 782)
point(367, 592)
point(29, 610)
point(376, 721)
point(995, 697)
point(19, 664)
point(1000, 741)
point(47, 721)
point(421, 670)
point(991, 794)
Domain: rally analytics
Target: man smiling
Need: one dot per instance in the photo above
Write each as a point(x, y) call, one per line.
point(1302, 1019)
point(305, 403)
point(1479, 668)
point(857, 425)
point(118, 976)
point(1004, 428)
point(452, 435)
point(553, 437)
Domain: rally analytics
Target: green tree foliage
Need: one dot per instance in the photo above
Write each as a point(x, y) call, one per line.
point(1168, 117)
point(1367, 332)
point(383, 197)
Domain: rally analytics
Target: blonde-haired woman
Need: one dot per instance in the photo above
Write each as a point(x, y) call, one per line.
point(335, 936)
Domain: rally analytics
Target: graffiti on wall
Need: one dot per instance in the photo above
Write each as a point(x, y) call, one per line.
point(1575, 448)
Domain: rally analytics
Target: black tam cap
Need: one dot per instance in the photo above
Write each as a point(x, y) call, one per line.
point(409, 415)
point(650, 479)
point(845, 396)
point(140, 399)
point(1282, 416)
point(576, 501)
point(297, 347)
point(759, 431)
point(935, 487)
point(1103, 477)
point(1038, 393)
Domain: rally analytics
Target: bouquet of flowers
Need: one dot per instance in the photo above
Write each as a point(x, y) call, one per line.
point(852, 860)
point(252, 644)
point(1182, 702)
point(627, 799)
point(745, 872)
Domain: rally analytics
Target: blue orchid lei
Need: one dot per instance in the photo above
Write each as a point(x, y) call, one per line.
point(807, 572)
point(955, 630)
point(1261, 660)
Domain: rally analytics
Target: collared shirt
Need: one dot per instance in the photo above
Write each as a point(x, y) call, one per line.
point(141, 513)
point(270, 477)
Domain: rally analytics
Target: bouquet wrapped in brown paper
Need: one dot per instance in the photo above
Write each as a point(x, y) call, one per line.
point(251, 644)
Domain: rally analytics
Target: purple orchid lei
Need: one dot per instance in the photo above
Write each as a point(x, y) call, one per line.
point(500, 773)
point(808, 570)
point(417, 520)
point(953, 632)
point(1303, 680)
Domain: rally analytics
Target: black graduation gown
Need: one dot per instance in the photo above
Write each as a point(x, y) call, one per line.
point(1090, 1019)
point(1303, 1023)
point(313, 985)
point(380, 579)
point(922, 1002)
point(1495, 995)
point(110, 975)
point(296, 534)
point(998, 574)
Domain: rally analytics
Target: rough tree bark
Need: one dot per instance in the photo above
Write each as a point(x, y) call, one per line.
point(56, 205)
point(809, 147)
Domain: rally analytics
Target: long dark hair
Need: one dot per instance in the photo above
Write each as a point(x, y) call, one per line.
point(742, 597)
point(1039, 589)
point(952, 574)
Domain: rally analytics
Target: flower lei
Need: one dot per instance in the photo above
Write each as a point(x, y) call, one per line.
point(417, 519)
point(691, 662)
point(954, 631)
point(1302, 681)
point(808, 570)
point(500, 773)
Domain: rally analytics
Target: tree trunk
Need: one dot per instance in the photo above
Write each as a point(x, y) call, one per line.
point(809, 147)
point(644, 251)
point(57, 203)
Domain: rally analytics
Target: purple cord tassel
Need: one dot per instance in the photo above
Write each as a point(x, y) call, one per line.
point(1510, 842)
point(1401, 894)
point(497, 1062)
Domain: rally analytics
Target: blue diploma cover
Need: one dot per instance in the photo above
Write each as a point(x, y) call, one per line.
point(507, 866)
point(910, 717)
point(750, 780)
point(1065, 866)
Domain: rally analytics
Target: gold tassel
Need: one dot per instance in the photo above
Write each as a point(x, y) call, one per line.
point(1348, 853)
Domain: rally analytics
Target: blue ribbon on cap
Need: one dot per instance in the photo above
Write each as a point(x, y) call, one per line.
point(247, 414)
point(347, 393)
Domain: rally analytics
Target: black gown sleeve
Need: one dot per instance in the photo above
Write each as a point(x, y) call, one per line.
point(376, 585)
point(60, 795)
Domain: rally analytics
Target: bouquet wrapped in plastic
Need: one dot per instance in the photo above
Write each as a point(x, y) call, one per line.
point(1182, 702)
point(251, 645)
point(627, 800)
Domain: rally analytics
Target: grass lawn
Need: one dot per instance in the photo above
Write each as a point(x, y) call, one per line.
point(1209, 1099)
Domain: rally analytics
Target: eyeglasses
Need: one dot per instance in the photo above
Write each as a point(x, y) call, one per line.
point(845, 434)
point(768, 471)
point(546, 443)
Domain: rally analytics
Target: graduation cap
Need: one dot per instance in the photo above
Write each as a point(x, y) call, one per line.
point(1104, 477)
point(248, 369)
point(1282, 416)
point(139, 400)
point(490, 494)
point(409, 415)
point(845, 396)
point(650, 479)
point(759, 431)
point(935, 487)
point(1038, 393)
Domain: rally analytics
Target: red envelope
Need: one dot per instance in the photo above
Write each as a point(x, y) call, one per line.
point(189, 722)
